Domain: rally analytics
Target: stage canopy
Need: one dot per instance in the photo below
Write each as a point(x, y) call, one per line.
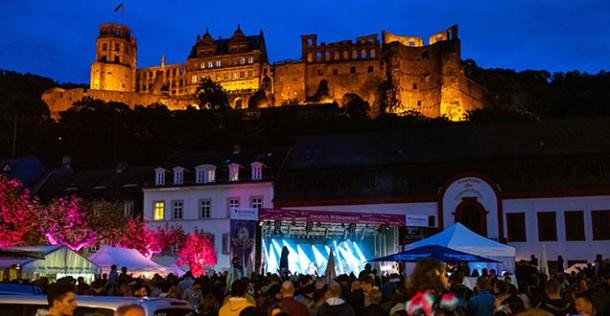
point(49, 261)
point(441, 253)
point(460, 238)
point(135, 262)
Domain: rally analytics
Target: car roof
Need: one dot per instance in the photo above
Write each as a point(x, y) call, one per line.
point(100, 301)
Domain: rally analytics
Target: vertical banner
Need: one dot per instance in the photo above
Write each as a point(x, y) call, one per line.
point(243, 233)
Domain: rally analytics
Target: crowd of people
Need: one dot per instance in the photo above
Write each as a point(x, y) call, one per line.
point(428, 290)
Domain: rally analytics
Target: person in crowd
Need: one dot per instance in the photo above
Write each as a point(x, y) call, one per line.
point(366, 284)
point(428, 282)
point(319, 297)
point(62, 301)
point(194, 295)
point(186, 282)
point(482, 304)
point(584, 304)
point(237, 301)
point(210, 305)
point(335, 305)
point(458, 288)
point(554, 303)
point(374, 296)
point(236, 272)
point(130, 310)
point(113, 277)
point(506, 303)
point(289, 304)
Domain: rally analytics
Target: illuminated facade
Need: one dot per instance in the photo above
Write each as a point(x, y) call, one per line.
point(397, 74)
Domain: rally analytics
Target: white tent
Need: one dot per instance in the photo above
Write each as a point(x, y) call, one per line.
point(135, 262)
point(458, 237)
point(49, 261)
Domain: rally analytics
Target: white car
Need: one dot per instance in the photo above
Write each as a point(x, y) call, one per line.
point(28, 305)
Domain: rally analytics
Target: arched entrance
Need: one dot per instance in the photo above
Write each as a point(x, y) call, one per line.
point(238, 103)
point(472, 214)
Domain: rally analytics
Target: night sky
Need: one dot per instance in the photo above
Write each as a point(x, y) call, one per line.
point(57, 38)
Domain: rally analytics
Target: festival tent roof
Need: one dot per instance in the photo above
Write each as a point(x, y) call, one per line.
point(46, 260)
point(460, 238)
point(125, 257)
point(441, 253)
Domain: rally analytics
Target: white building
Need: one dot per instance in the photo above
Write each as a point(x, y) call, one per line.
point(199, 191)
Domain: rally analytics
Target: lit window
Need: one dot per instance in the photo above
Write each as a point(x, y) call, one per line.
point(159, 211)
point(372, 53)
point(210, 64)
point(256, 202)
point(242, 60)
point(233, 172)
point(218, 63)
point(250, 60)
point(234, 75)
point(363, 54)
point(211, 173)
point(337, 55)
point(355, 54)
point(205, 208)
point(194, 79)
point(202, 66)
point(177, 209)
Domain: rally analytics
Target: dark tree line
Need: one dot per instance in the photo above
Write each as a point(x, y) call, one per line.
point(98, 134)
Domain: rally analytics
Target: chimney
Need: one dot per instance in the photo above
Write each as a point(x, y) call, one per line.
point(236, 149)
point(162, 60)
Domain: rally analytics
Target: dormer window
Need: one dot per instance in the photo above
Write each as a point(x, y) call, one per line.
point(205, 174)
point(257, 171)
point(233, 172)
point(159, 176)
point(178, 175)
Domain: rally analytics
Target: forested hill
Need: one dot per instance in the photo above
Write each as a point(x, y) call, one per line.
point(98, 134)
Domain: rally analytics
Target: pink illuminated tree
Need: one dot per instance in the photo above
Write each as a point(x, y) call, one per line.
point(137, 236)
point(16, 212)
point(64, 222)
point(198, 252)
point(169, 235)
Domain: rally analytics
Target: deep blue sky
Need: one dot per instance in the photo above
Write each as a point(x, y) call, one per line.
point(57, 38)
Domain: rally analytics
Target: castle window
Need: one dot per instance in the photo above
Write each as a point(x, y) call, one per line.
point(241, 74)
point(345, 55)
point(116, 47)
point(309, 42)
point(250, 60)
point(242, 60)
point(249, 73)
point(415, 86)
point(337, 56)
point(117, 59)
point(418, 102)
point(181, 70)
point(318, 56)
point(210, 64)
point(411, 43)
point(309, 57)
point(202, 66)
point(335, 71)
point(440, 38)
point(363, 54)
point(194, 79)
point(352, 70)
point(226, 75)
point(355, 54)
point(327, 56)
point(218, 63)
point(104, 46)
point(234, 75)
point(372, 53)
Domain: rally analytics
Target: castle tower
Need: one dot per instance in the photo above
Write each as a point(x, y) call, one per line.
point(114, 68)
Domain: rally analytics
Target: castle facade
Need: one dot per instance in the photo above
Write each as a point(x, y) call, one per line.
point(396, 74)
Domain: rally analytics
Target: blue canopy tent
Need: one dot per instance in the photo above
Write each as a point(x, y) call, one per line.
point(440, 253)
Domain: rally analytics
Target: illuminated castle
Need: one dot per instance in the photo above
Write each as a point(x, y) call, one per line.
point(428, 79)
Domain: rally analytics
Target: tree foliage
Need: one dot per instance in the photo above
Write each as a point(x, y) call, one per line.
point(198, 252)
point(65, 222)
point(16, 212)
point(211, 95)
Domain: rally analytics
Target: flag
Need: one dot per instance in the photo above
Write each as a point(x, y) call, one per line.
point(543, 266)
point(118, 8)
point(251, 261)
point(330, 273)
